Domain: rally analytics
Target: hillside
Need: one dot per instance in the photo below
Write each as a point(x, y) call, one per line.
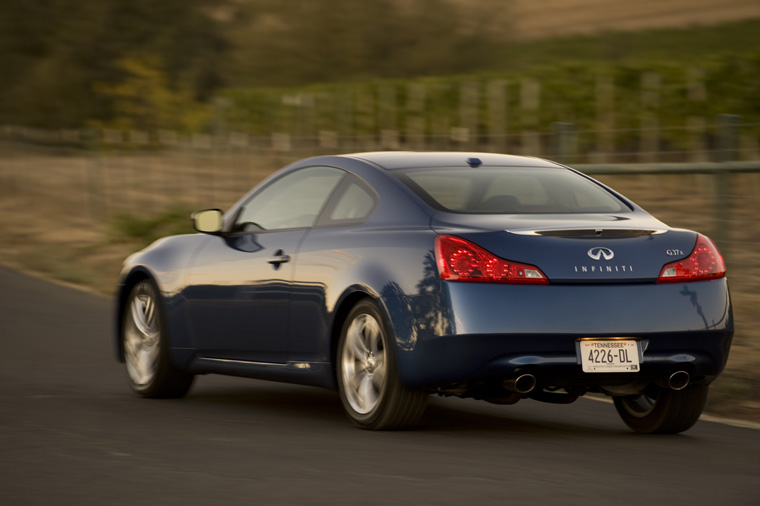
point(538, 19)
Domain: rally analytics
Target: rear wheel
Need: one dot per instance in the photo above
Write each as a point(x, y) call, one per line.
point(146, 348)
point(372, 394)
point(662, 410)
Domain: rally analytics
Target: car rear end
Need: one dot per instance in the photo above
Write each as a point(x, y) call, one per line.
point(549, 281)
point(613, 337)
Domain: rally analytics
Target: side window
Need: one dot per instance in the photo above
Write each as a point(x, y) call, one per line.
point(449, 190)
point(293, 201)
point(352, 203)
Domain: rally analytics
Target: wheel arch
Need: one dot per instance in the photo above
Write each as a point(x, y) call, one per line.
point(394, 312)
point(344, 306)
point(394, 406)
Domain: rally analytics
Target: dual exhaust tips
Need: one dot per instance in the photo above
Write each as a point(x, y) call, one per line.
point(525, 383)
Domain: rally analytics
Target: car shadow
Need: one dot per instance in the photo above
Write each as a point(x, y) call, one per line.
point(526, 417)
point(318, 406)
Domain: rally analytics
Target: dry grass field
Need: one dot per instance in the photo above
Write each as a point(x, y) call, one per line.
point(536, 19)
point(60, 216)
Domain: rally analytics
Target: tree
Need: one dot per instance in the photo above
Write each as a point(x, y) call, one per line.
point(54, 53)
point(143, 100)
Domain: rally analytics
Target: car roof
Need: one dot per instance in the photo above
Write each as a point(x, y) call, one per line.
point(392, 160)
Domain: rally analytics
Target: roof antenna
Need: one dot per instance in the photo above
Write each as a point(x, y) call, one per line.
point(474, 162)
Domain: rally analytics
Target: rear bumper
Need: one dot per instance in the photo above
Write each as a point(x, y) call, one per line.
point(472, 358)
point(502, 331)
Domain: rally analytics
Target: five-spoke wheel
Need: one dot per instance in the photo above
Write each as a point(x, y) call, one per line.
point(372, 394)
point(363, 364)
point(146, 350)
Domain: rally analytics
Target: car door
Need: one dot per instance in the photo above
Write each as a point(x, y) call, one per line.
point(326, 256)
point(240, 284)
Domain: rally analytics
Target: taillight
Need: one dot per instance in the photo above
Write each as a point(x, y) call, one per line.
point(704, 262)
point(462, 260)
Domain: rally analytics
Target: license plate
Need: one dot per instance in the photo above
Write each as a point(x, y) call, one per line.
point(609, 355)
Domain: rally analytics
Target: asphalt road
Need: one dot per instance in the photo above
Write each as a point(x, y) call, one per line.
point(72, 433)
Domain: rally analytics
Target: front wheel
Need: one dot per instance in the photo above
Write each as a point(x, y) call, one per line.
point(370, 389)
point(146, 349)
point(662, 410)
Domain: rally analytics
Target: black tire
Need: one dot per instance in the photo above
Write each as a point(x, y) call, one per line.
point(370, 389)
point(150, 371)
point(662, 410)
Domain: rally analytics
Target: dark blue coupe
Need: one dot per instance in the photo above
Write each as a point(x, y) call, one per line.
point(391, 276)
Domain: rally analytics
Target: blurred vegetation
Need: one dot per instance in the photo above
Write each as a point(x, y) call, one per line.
point(147, 65)
point(128, 227)
point(144, 100)
point(64, 61)
point(568, 93)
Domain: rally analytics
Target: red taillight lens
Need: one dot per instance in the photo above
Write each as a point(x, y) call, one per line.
point(704, 262)
point(461, 260)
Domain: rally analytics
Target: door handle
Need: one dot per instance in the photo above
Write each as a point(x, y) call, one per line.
point(279, 258)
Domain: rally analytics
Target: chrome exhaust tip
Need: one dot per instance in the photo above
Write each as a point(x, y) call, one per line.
point(523, 384)
point(679, 380)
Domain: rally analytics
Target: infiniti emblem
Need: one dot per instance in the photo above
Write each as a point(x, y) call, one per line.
point(599, 252)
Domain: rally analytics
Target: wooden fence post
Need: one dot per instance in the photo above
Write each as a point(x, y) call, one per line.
point(496, 96)
point(344, 123)
point(728, 144)
point(563, 142)
point(605, 119)
point(649, 146)
point(530, 102)
point(416, 95)
point(696, 124)
point(468, 112)
point(387, 117)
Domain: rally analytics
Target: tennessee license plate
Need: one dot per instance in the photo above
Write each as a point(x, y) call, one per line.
point(609, 355)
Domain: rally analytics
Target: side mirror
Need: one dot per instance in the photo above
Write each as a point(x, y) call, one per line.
point(208, 221)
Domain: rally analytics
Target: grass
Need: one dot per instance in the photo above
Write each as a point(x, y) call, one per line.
point(690, 45)
point(128, 227)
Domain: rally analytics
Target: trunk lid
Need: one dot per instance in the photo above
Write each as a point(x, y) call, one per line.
point(589, 248)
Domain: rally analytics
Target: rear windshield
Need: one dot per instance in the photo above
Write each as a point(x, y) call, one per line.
point(510, 190)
